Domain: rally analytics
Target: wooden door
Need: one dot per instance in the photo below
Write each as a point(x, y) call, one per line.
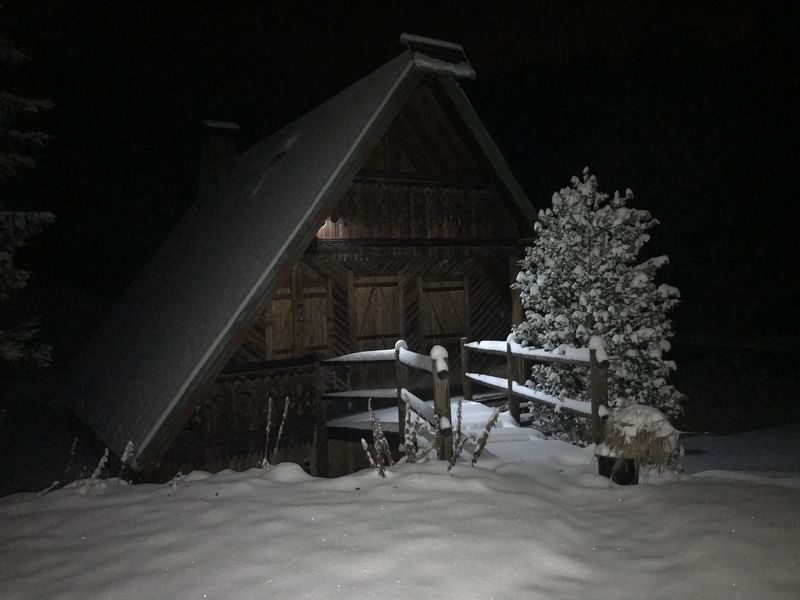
point(375, 311)
point(297, 317)
point(443, 310)
point(280, 325)
point(313, 316)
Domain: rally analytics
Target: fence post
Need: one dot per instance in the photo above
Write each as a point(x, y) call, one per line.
point(401, 374)
point(466, 384)
point(441, 402)
point(513, 401)
point(519, 375)
point(598, 384)
point(322, 468)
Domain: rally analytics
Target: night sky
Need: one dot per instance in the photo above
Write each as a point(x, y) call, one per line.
point(692, 105)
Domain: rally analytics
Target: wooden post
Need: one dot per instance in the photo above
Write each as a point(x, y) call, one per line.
point(513, 401)
point(520, 376)
point(598, 392)
point(441, 402)
point(466, 384)
point(322, 466)
point(516, 302)
point(401, 375)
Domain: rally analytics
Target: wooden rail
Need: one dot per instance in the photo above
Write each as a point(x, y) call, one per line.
point(404, 359)
point(513, 384)
point(595, 357)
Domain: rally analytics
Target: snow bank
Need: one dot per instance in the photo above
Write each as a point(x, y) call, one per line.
point(532, 521)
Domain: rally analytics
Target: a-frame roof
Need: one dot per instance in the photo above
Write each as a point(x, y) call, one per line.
point(144, 370)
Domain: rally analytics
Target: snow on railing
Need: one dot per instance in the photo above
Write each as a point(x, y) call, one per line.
point(363, 357)
point(595, 357)
point(419, 406)
point(499, 383)
point(598, 346)
point(439, 362)
point(434, 363)
point(564, 354)
point(411, 359)
point(382, 393)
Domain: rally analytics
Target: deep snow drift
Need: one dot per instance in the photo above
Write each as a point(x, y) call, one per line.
point(531, 521)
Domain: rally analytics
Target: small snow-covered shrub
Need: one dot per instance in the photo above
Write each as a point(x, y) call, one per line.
point(486, 431)
point(265, 461)
point(380, 457)
point(461, 438)
point(100, 468)
point(100, 477)
point(417, 447)
point(419, 439)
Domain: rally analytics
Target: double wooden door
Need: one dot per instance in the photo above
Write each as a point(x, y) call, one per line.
point(297, 318)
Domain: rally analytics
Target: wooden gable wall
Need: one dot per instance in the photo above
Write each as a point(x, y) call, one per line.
point(418, 248)
point(423, 181)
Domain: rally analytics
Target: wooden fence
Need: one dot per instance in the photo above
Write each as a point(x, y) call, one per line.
point(404, 359)
point(513, 384)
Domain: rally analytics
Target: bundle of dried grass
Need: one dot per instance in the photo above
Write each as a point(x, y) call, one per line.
point(648, 448)
point(381, 456)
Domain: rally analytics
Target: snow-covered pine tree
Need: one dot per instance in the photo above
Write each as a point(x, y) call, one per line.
point(16, 226)
point(582, 277)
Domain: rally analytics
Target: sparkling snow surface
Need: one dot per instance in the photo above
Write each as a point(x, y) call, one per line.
point(531, 521)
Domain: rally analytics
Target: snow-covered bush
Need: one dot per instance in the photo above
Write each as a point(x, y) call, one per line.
point(582, 277)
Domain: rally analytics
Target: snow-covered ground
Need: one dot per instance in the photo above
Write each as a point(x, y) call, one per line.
point(531, 521)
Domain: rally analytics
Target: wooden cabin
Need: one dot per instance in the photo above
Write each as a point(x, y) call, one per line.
point(385, 213)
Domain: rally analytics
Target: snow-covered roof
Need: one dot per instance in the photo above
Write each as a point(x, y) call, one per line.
point(173, 330)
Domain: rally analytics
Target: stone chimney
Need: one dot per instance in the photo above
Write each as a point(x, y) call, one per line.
point(217, 158)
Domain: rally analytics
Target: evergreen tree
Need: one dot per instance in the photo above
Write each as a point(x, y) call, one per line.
point(582, 277)
point(17, 226)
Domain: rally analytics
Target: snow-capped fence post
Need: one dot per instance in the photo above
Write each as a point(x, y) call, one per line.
point(441, 402)
point(401, 374)
point(598, 385)
point(467, 384)
point(513, 400)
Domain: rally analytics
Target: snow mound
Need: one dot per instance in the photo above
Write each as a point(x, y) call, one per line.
point(287, 472)
point(544, 523)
